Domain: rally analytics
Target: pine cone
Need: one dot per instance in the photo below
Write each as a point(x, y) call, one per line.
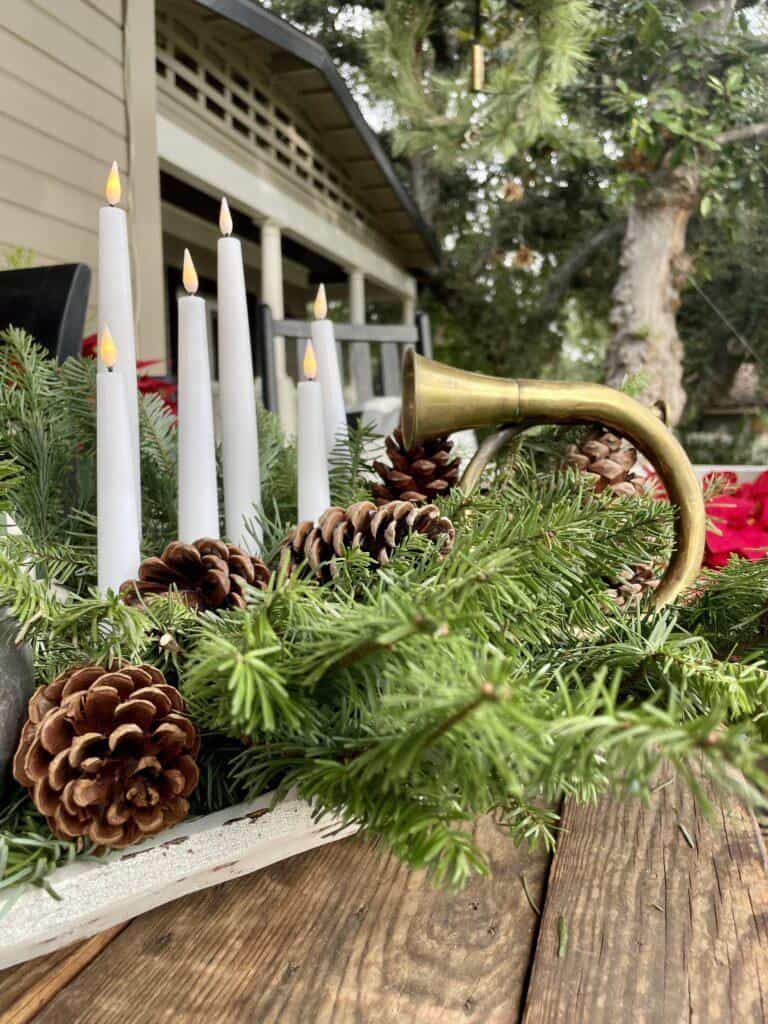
point(207, 574)
point(108, 754)
point(417, 474)
point(377, 531)
point(610, 458)
point(635, 584)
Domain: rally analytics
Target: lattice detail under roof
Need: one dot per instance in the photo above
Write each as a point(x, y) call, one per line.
point(225, 88)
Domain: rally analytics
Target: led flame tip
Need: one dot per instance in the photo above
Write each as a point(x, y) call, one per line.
point(107, 348)
point(225, 217)
point(189, 274)
point(320, 307)
point(310, 362)
point(113, 191)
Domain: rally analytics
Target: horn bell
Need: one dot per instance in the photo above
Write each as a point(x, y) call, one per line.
point(439, 399)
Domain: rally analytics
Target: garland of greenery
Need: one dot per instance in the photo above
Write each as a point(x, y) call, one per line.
point(409, 700)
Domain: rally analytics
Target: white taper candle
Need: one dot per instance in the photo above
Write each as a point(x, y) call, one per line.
point(328, 373)
point(115, 309)
point(237, 396)
point(313, 486)
point(118, 555)
point(198, 496)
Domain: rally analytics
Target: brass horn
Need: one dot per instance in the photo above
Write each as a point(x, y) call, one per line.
point(439, 399)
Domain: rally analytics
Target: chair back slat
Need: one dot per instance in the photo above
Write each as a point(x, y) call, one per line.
point(400, 334)
point(391, 337)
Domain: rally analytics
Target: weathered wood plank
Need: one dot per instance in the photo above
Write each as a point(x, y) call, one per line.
point(639, 925)
point(27, 988)
point(338, 935)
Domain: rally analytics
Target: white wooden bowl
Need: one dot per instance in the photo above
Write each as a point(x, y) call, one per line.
point(215, 848)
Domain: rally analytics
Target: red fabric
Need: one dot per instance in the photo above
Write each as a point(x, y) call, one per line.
point(147, 384)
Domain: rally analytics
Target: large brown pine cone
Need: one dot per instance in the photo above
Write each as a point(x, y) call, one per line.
point(612, 459)
point(208, 574)
point(108, 754)
point(417, 474)
point(377, 531)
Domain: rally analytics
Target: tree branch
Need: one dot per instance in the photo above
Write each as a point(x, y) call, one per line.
point(560, 280)
point(741, 134)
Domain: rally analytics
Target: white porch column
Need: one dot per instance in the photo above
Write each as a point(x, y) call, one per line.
point(360, 355)
point(272, 294)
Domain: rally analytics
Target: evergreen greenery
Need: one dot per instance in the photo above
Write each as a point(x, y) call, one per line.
point(412, 699)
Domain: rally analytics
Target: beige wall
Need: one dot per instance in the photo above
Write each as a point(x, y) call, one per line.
point(65, 109)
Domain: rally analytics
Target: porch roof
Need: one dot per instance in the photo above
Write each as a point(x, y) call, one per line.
point(303, 66)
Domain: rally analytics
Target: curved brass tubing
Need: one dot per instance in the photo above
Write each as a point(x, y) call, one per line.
point(439, 399)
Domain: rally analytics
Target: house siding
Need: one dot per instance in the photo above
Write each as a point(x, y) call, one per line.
point(65, 115)
point(63, 120)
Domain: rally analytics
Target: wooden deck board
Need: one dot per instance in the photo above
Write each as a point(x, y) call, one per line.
point(343, 934)
point(638, 925)
point(27, 988)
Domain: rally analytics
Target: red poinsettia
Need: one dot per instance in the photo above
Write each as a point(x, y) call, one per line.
point(738, 519)
point(163, 386)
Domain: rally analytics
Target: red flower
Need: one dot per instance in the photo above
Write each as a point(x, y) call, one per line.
point(739, 521)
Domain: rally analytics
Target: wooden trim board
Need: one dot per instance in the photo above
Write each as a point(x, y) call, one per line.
point(95, 895)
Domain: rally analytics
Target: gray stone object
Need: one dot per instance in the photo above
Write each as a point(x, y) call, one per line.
point(17, 682)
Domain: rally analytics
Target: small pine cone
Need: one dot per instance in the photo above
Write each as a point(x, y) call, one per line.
point(418, 474)
point(612, 459)
point(207, 574)
point(635, 584)
point(376, 531)
point(108, 754)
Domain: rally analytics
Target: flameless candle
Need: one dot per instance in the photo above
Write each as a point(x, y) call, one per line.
point(313, 487)
point(198, 497)
point(328, 373)
point(117, 519)
point(116, 309)
point(237, 398)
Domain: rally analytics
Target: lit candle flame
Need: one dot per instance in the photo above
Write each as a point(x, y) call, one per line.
point(310, 362)
point(107, 348)
point(113, 191)
point(189, 274)
point(225, 217)
point(320, 307)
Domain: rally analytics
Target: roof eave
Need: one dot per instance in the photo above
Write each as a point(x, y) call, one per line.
point(291, 39)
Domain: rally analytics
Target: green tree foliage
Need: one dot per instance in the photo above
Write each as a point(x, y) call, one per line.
point(528, 185)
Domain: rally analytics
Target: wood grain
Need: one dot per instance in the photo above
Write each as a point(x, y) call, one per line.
point(342, 934)
point(657, 930)
point(26, 989)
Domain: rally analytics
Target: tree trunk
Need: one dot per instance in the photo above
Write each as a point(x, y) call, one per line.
point(647, 294)
point(654, 266)
point(425, 186)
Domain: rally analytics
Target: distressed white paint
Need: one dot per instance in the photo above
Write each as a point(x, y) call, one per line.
point(192, 856)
